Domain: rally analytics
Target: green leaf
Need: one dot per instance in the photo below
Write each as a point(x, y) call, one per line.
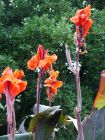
point(94, 125)
point(26, 136)
point(45, 122)
point(26, 122)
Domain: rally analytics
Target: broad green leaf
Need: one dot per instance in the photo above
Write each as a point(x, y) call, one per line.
point(45, 122)
point(46, 114)
point(100, 98)
point(26, 136)
point(94, 125)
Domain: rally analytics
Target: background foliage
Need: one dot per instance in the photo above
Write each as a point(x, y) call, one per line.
point(24, 24)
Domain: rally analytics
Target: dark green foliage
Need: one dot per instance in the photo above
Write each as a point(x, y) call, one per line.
point(3, 124)
point(99, 4)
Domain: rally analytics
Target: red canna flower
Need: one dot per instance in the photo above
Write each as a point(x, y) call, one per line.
point(41, 60)
point(52, 84)
point(11, 85)
point(82, 19)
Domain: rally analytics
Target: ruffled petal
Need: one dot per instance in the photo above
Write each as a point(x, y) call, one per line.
point(87, 27)
point(57, 84)
point(19, 74)
point(33, 62)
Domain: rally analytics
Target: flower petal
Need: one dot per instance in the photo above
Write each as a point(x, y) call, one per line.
point(58, 84)
point(52, 58)
point(19, 74)
point(42, 64)
point(33, 62)
point(87, 10)
point(87, 27)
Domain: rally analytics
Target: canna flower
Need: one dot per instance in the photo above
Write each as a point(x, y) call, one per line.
point(52, 84)
point(82, 19)
point(41, 60)
point(11, 85)
point(13, 80)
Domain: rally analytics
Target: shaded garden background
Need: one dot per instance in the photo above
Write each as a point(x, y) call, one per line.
point(24, 24)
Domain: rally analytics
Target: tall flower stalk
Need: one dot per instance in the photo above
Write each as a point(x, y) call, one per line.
point(83, 23)
point(11, 85)
point(41, 61)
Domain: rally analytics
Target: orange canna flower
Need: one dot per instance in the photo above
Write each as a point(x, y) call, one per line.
point(11, 85)
point(82, 19)
point(41, 60)
point(52, 84)
point(12, 81)
point(81, 16)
